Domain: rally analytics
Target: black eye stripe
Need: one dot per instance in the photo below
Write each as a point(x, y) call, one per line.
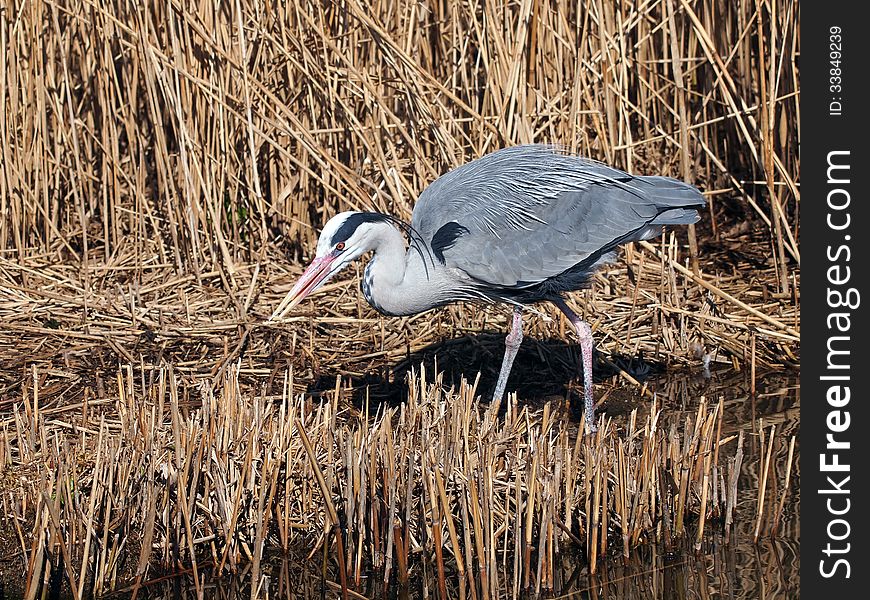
point(353, 221)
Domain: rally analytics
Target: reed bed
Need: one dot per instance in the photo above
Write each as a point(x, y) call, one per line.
point(483, 498)
point(164, 170)
point(218, 130)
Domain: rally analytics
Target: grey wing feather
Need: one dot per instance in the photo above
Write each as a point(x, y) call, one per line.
point(529, 213)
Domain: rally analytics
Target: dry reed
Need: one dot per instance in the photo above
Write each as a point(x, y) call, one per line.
point(155, 480)
point(199, 139)
point(164, 168)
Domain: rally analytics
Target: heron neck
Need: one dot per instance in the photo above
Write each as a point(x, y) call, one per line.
point(395, 281)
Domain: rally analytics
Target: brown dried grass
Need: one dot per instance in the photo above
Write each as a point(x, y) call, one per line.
point(164, 169)
point(155, 144)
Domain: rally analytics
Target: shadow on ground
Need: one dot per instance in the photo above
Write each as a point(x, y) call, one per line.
point(549, 371)
point(544, 370)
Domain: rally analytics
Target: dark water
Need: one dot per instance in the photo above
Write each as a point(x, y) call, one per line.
point(739, 568)
point(736, 567)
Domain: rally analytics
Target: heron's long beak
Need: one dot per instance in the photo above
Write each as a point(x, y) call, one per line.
point(311, 279)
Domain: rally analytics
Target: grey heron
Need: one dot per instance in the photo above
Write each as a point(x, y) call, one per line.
point(521, 225)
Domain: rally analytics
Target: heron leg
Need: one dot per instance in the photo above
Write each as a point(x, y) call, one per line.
point(584, 332)
point(511, 346)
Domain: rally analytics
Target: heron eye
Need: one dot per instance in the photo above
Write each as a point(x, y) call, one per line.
point(339, 246)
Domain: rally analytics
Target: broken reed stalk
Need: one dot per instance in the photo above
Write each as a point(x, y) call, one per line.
point(774, 530)
point(502, 491)
point(332, 525)
point(765, 460)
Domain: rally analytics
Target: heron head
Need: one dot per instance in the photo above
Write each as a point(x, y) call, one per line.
point(344, 238)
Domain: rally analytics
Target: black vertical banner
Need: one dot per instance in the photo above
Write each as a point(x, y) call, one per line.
point(835, 462)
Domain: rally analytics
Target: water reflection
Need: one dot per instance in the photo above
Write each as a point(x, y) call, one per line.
point(768, 570)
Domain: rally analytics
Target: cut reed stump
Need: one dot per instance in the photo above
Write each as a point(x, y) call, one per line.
point(155, 482)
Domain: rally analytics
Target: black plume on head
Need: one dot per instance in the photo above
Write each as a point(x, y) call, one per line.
point(354, 220)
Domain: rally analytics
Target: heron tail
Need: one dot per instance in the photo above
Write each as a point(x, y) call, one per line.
point(677, 201)
point(677, 216)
